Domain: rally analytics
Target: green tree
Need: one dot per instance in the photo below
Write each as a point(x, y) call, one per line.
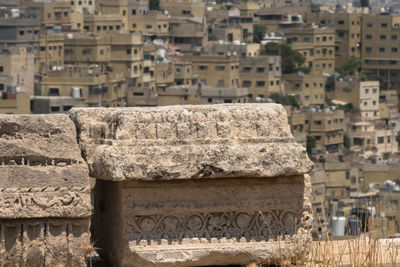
point(292, 61)
point(259, 31)
point(350, 68)
point(154, 5)
point(346, 141)
point(284, 100)
point(364, 3)
point(330, 83)
point(310, 144)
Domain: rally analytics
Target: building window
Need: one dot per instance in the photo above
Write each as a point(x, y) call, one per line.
point(384, 25)
point(21, 32)
point(394, 49)
point(220, 67)
point(388, 140)
point(246, 83)
point(368, 37)
point(368, 49)
point(1, 87)
point(317, 122)
point(381, 49)
point(260, 83)
point(148, 26)
point(260, 70)
point(221, 83)
point(133, 11)
point(381, 140)
point(86, 51)
point(1, 68)
point(383, 37)
point(54, 92)
point(55, 109)
point(209, 100)
point(394, 37)
point(341, 22)
point(369, 25)
point(128, 51)
point(203, 67)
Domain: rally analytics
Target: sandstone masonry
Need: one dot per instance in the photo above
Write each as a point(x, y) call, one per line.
point(175, 186)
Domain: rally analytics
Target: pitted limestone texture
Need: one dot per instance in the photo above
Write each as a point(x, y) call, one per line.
point(196, 185)
point(189, 142)
point(45, 201)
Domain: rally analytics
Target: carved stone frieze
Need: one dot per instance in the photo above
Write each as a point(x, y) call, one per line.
point(242, 224)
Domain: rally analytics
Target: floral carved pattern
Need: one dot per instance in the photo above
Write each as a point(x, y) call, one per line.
point(256, 225)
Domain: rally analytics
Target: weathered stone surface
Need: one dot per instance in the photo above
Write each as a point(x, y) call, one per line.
point(189, 142)
point(157, 202)
point(44, 192)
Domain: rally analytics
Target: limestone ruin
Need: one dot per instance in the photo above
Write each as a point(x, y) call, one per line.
point(175, 186)
point(45, 202)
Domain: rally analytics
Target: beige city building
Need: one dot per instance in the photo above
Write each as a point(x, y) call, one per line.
point(309, 89)
point(103, 24)
point(348, 32)
point(98, 89)
point(51, 53)
point(152, 23)
point(17, 70)
point(215, 70)
point(14, 103)
point(188, 34)
point(184, 73)
point(50, 14)
point(184, 8)
point(243, 50)
point(317, 45)
point(368, 138)
point(380, 51)
point(326, 126)
point(261, 75)
point(200, 95)
point(363, 95)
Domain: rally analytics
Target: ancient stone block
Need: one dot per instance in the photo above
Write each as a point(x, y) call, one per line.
point(44, 190)
point(200, 185)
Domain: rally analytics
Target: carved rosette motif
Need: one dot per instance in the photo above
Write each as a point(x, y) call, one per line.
point(256, 226)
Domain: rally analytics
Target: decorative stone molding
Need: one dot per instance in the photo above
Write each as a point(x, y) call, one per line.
point(196, 185)
point(44, 192)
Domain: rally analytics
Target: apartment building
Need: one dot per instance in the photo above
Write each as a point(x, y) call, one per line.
point(380, 50)
point(114, 52)
point(326, 126)
point(215, 70)
point(98, 89)
point(17, 70)
point(243, 50)
point(363, 95)
point(261, 75)
point(185, 8)
point(184, 74)
point(317, 45)
point(103, 24)
point(152, 23)
point(347, 32)
point(188, 34)
point(49, 14)
point(368, 138)
point(51, 52)
point(83, 6)
point(55, 104)
point(196, 95)
point(19, 32)
point(14, 103)
point(309, 89)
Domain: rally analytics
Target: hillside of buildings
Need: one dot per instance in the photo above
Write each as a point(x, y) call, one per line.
point(334, 66)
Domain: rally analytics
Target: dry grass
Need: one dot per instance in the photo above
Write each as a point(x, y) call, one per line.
point(366, 249)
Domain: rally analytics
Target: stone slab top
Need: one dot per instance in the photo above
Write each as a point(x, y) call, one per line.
point(42, 172)
point(189, 142)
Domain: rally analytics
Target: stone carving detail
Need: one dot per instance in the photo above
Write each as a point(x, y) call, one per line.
point(22, 202)
point(250, 225)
